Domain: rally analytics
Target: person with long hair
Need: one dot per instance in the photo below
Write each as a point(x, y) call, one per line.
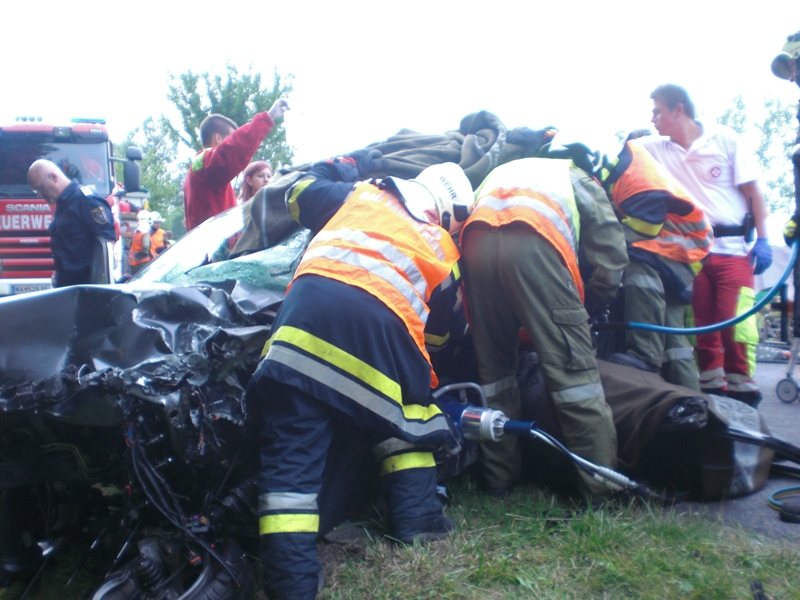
point(256, 175)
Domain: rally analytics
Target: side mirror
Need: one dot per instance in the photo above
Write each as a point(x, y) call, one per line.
point(133, 153)
point(130, 172)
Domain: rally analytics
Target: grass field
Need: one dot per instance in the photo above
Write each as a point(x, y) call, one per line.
point(531, 545)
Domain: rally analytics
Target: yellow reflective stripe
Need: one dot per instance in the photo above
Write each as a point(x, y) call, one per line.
point(417, 412)
point(456, 271)
point(642, 227)
point(436, 340)
point(297, 189)
point(412, 460)
point(288, 524)
point(746, 332)
point(341, 359)
point(265, 349)
point(363, 395)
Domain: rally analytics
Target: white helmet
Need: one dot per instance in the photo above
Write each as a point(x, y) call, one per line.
point(143, 217)
point(155, 217)
point(442, 189)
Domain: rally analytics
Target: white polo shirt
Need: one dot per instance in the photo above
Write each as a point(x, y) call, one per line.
point(710, 171)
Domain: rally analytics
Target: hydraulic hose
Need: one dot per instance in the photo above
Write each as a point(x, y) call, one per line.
point(489, 425)
point(716, 326)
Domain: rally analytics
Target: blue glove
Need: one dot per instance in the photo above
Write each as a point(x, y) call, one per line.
point(761, 256)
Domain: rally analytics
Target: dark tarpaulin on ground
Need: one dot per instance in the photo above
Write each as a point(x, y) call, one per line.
point(480, 144)
point(669, 436)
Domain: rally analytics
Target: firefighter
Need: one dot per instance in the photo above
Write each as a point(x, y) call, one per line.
point(667, 237)
point(520, 249)
point(349, 343)
point(139, 252)
point(158, 241)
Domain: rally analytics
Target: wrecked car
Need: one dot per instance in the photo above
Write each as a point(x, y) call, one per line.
point(123, 412)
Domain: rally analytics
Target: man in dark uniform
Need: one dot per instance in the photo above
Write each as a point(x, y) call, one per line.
point(80, 216)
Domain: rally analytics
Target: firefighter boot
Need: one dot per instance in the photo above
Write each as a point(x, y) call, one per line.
point(414, 508)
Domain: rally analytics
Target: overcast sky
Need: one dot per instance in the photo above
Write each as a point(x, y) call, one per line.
point(364, 70)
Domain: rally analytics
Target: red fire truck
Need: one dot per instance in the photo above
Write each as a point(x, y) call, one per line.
point(83, 152)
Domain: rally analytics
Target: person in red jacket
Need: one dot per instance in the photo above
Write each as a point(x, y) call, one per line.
point(227, 150)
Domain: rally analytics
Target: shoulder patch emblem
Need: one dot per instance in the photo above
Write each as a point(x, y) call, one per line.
point(99, 215)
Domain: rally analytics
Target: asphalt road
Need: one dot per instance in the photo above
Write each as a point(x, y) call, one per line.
point(783, 419)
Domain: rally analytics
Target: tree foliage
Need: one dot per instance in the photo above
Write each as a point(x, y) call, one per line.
point(237, 96)
point(773, 153)
point(736, 116)
point(159, 173)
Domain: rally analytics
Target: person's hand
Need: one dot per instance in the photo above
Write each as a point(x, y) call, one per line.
point(279, 108)
point(596, 306)
point(761, 256)
point(790, 231)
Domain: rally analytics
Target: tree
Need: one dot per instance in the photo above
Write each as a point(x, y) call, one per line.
point(736, 116)
point(776, 137)
point(159, 172)
point(238, 97)
point(777, 140)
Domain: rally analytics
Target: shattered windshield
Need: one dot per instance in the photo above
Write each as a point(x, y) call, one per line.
point(87, 163)
point(203, 256)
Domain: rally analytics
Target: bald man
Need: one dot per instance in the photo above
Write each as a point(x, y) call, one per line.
point(80, 217)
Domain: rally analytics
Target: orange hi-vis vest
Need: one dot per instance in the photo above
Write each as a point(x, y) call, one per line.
point(157, 240)
point(685, 235)
point(536, 192)
point(374, 244)
point(136, 254)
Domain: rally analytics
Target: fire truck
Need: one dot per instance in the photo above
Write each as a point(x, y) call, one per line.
point(84, 153)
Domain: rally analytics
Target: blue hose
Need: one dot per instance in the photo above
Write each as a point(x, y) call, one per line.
point(730, 322)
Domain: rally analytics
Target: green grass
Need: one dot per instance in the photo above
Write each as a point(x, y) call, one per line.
point(532, 545)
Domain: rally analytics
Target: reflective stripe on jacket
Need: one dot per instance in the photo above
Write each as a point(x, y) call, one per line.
point(137, 254)
point(374, 244)
point(547, 204)
point(657, 214)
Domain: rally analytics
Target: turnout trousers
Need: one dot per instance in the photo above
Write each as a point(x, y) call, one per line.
point(727, 359)
point(646, 301)
point(300, 495)
point(515, 278)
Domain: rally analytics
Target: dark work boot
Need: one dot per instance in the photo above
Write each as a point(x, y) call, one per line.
point(430, 529)
point(414, 509)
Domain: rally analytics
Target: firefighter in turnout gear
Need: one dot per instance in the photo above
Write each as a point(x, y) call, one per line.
point(139, 252)
point(667, 236)
point(349, 343)
point(520, 253)
point(158, 243)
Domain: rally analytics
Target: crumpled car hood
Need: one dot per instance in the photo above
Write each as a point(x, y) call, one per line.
point(67, 350)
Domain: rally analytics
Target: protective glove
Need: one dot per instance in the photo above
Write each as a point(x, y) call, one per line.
point(761, 256)
point(596, 306)
point(789, 231)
